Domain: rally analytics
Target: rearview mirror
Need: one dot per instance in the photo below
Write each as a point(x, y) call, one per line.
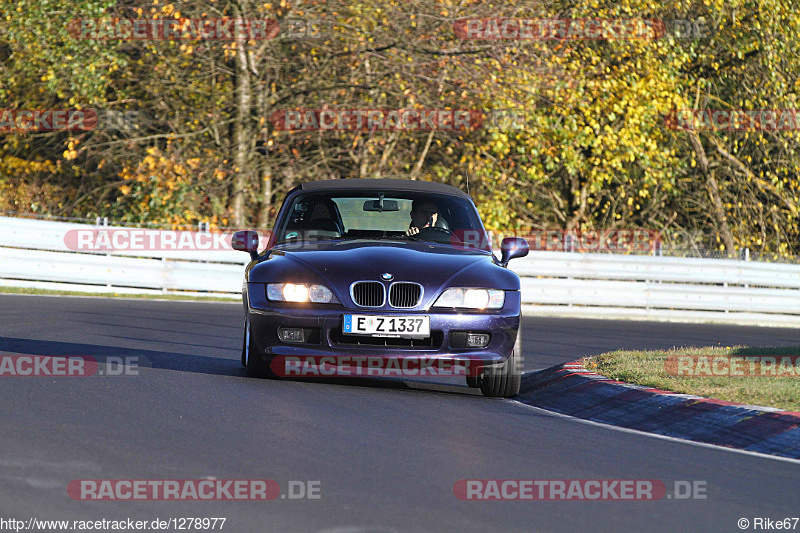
point(375, 205)
point(511, 248)
point(246, 241)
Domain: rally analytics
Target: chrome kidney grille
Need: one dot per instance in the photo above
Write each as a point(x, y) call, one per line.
point(404, 295)
point(368, 293)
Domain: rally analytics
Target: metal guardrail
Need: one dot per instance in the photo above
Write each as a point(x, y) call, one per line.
point(33, 253)
point(660, 288)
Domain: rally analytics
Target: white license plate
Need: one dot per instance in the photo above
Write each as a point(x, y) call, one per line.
point(388, 326)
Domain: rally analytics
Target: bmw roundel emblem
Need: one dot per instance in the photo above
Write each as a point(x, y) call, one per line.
point(386, 276)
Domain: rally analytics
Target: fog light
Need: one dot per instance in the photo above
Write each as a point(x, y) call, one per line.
point(291, 334)
point(477, 340)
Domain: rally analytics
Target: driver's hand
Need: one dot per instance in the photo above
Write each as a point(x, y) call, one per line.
point(413, 230)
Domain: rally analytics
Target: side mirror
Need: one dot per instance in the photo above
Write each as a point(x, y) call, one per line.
point(511, 248)
point(246, 241)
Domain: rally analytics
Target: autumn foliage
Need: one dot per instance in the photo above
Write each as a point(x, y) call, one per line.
point(576, 132)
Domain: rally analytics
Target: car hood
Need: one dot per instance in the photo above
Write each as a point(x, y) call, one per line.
point(340, 263)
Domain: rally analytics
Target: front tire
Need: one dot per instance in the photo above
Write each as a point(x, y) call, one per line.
point(253, 362)
point(503, 381)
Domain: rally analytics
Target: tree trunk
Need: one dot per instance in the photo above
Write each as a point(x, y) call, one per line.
point(724, 230)
point(421, 160)
point(719, 213)
point(577, 195)
point(266, 197)
point(241, 135)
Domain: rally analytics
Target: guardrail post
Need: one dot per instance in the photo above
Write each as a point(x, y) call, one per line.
point(203, 227)
point(657, 248)
point(569, 242)
point(163, 275)
point(745, 254)
point(103, 222)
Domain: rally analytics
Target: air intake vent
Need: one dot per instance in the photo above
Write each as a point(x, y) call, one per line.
point(368, 293)
point(404, 295)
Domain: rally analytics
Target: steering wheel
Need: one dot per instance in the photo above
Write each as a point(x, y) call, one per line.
point(432, 232)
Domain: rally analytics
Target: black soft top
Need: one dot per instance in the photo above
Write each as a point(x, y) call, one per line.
point(383, 185)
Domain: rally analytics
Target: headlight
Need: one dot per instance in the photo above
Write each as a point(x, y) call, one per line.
point(298, 292)
point(472, 298)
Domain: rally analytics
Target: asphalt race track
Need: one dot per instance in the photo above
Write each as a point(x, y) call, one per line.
point(386, 453)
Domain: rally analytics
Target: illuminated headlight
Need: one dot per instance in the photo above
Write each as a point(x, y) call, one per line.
point(298, 292)
point(472, 298)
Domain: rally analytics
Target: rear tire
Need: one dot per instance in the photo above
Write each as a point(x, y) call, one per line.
point(503, 381)
point(253, 362)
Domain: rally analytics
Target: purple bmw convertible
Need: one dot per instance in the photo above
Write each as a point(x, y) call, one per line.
point(391, 269)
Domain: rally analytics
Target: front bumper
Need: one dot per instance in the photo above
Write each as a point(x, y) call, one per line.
point(325, 323)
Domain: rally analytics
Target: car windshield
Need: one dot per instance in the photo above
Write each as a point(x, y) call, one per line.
point(381, 215)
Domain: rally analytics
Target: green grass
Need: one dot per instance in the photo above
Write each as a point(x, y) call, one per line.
point(649, 368)
point(25, 290)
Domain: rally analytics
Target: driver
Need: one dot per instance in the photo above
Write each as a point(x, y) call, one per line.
point(424, 214)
